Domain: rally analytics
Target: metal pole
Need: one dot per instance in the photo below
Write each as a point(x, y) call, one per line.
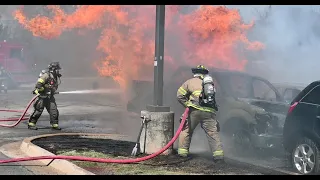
point(159, 54)
point(155, 62)
point(158, 63)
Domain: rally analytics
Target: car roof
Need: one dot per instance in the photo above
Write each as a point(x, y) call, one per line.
point(298, 86)
point(217, 71)
point(228, 72)
point(306, 90)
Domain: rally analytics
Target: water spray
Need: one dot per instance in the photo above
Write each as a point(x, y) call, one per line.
point(99, 91)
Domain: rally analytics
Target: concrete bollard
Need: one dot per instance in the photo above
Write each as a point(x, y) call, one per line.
point(160, 130)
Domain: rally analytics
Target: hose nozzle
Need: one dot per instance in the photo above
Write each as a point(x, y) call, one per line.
point(56, 92)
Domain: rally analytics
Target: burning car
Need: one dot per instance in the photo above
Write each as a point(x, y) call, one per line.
point(289, 90)
point(251, 110)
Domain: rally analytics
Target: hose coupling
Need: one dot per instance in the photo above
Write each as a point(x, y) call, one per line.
point(145, 119)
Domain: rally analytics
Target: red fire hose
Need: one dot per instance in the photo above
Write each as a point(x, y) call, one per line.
point(21, 118)
point(82, 158)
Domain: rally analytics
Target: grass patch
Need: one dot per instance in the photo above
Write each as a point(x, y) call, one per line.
point(119, 169)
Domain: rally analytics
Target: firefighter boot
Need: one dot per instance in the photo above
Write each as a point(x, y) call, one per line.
point(55, 127)
point(32, 126)
point(218, 157)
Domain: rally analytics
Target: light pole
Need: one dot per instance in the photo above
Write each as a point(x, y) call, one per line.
point(160, 128)
point(158, 62)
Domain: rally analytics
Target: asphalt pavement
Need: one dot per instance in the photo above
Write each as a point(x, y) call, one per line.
point(79, 113)
point(13, 169)
point(83, 113)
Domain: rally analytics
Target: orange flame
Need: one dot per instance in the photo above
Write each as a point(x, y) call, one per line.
point(210, 35)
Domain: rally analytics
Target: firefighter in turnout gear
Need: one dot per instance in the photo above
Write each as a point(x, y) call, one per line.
point(190, 94)
point(46, 87)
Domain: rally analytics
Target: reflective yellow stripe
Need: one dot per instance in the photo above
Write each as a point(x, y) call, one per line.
point(182, 91)
point(40, 80)
point(183, 152)
point(36, 91)
point(206, 109)
point(196, 93)
point(218, 153)
point(41, 89)
point(31, 124)
point(55, 125)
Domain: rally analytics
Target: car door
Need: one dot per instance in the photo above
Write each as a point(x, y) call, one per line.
point(308, 111)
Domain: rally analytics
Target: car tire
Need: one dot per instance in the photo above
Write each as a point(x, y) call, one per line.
point(233, 132)
point(312, 156)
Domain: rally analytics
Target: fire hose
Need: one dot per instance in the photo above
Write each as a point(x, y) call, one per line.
point(83, 158)
point(21, 118)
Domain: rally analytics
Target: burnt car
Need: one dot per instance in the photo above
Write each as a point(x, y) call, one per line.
point(251, 110)
point(289, 90)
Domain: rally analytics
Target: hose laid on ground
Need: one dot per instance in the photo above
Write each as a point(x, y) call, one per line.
point(100, 160)
point(21, 118)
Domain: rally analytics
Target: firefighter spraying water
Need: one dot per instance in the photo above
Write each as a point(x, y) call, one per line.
point(46, 87)
point(198, 93)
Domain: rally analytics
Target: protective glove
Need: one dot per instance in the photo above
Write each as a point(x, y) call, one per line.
point(48, 86)
point(181, 118)
point(36, 92)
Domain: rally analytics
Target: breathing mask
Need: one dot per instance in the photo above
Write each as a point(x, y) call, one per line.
point(55, 68)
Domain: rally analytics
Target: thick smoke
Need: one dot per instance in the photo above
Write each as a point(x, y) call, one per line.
point(290, 35)
point(291, 38)
point(74, 50)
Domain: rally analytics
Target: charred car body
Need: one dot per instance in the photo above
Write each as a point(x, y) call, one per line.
point(251, 110)
point(289, 90)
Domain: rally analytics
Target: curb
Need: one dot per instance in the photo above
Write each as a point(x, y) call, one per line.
point(63, 166)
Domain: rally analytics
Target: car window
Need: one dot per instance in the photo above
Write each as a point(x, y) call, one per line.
point(289, 94)
point(240, 86)
point(262, 90)
point(313, 96)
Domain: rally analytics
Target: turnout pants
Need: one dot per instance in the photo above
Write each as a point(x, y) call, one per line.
point(208, 123)
point(50, 104)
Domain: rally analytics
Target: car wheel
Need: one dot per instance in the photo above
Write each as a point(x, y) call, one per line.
point(237, 138)
point(305, 157)
point(241, 138)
